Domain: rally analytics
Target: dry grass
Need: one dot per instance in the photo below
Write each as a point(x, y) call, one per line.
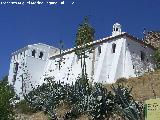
point(144, 87)
point(62, 109)
point(83, 117)
point(35, 116)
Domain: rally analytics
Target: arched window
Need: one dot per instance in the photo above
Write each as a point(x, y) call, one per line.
point(99, 50)
point(113, 48)
point(41, 55)
point(33, 53)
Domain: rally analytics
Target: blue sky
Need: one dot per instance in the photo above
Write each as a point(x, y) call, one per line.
point(21, 25)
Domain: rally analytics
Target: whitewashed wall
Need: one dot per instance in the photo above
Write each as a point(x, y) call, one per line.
point(104, 67)
point(30, 68)
point(134, 66)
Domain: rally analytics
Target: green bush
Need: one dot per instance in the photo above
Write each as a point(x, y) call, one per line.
point(6, 95)
point(156, 57)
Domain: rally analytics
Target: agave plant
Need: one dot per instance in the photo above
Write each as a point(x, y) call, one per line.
point(102, 103)
point(125, 104)
point(46, 97)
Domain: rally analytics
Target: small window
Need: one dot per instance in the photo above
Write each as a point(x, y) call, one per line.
point(108, 76)
point(113, 48)
point(133, 66)
point(14, 79)
point(142, 55)
point(41, 55)
point(116, 29)
point(16, 67)
point(99, 50)
point(147, 60)
point(33, 53)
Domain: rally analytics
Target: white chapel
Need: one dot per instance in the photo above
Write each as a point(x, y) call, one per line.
point(120, 55)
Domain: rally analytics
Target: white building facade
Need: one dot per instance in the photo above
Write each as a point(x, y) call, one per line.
point(118, 56)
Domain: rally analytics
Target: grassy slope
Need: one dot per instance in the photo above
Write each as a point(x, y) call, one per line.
point(143, 86)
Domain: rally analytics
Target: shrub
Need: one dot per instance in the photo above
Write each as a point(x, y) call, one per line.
point(156, 57)
point(6, 95)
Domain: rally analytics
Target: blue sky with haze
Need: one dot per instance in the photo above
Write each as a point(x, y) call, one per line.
point(21, 25)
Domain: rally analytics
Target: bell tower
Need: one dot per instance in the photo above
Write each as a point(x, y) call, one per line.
point(116, 29)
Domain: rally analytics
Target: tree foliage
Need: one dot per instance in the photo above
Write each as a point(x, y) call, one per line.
point(85, 33)
point(6, 96)
point(156, 57)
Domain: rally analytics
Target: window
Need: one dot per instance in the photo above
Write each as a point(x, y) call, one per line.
point(33, 53)
point(41, 55)
point(16, 67)
point(113, 48)
point(108, 76)
point(142, 55)
point(116, 29)
point(99, 50)
point(147, 60)
point(14, 79)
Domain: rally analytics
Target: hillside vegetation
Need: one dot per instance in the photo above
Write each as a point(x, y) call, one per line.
point(144, 87)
